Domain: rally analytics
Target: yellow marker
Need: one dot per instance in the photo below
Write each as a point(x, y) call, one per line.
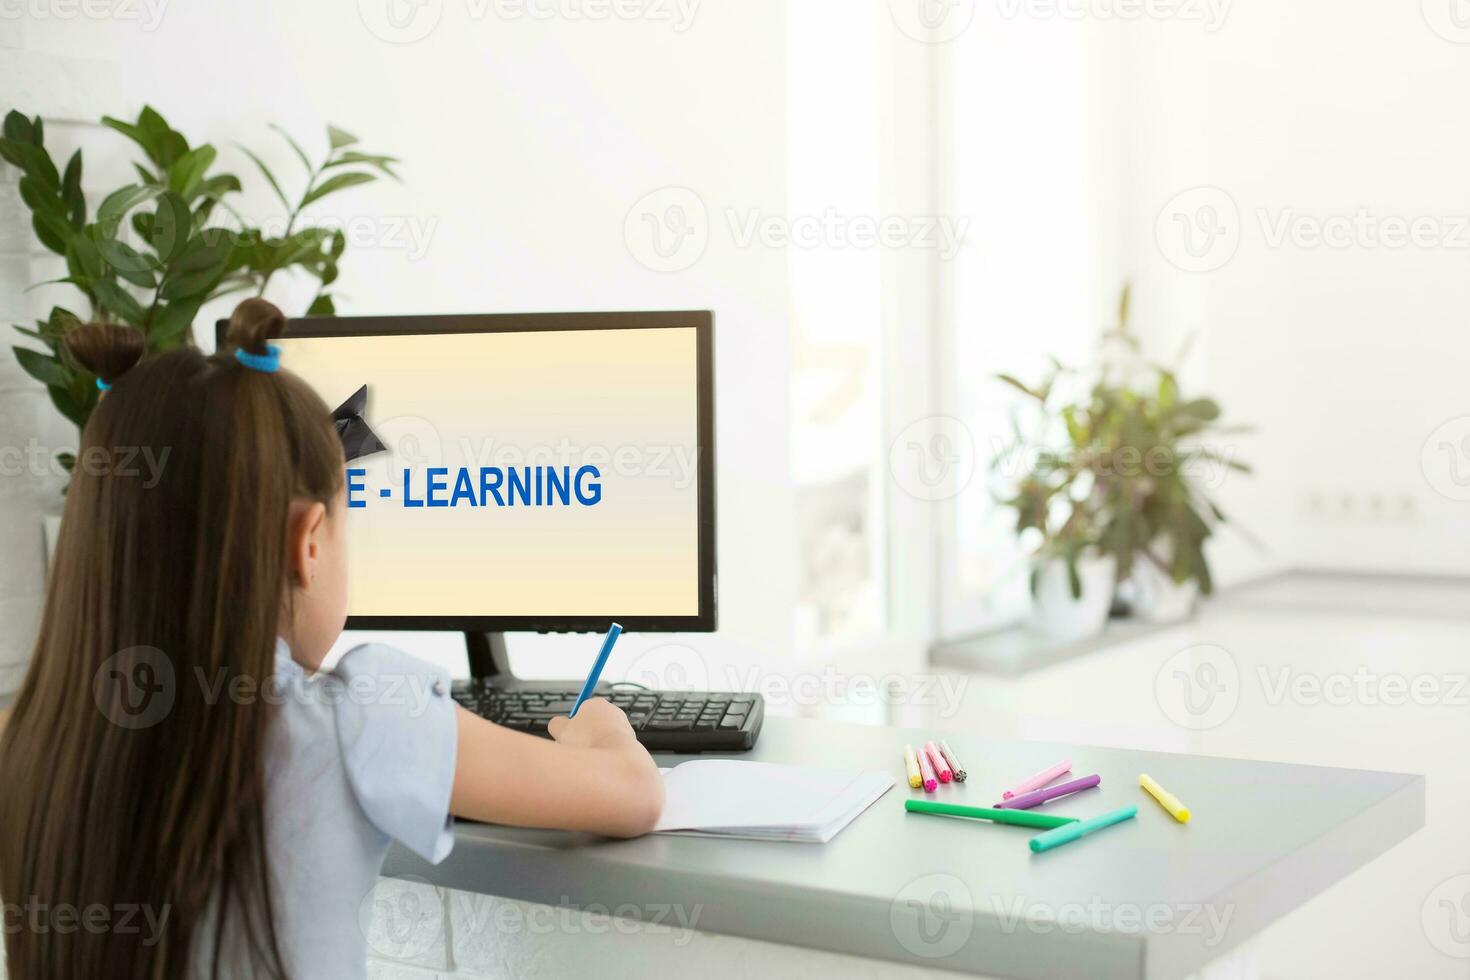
point(911, 763)
point(1166, 799)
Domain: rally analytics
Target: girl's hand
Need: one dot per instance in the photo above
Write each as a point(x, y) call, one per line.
point(599, 723)
point(594, 777)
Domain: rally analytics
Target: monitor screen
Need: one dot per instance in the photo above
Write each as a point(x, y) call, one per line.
point(540, 472)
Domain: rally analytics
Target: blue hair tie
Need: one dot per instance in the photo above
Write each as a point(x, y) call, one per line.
point(103, 385)
point(267, 363)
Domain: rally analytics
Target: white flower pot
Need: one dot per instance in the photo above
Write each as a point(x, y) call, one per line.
point(1156, 597)
point(1058, 615)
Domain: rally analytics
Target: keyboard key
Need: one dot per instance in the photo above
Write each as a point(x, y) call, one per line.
point(669, 725)
point(731, 724)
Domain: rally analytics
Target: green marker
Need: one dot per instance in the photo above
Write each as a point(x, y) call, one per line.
point(1019, 818)
point(1066, 835)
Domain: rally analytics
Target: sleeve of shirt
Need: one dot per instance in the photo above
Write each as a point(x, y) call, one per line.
point(398, 733)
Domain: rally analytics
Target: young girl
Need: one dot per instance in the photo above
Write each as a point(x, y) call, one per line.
point(174, 760)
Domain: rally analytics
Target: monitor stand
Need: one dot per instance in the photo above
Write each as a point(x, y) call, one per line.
point(490, 663)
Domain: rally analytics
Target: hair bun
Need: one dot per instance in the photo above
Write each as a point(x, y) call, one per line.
point(254, 323)
point(108, 350)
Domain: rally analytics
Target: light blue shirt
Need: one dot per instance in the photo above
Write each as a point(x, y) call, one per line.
point(356, 758)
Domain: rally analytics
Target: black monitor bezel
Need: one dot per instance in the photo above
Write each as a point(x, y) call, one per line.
point(424, 325)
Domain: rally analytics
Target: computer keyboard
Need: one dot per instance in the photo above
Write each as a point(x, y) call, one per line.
point(666, 721)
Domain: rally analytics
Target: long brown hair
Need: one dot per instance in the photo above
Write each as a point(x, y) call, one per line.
point(132, 780)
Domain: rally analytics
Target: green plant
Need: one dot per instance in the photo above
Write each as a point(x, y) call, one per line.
point(1110, 464)
point(155, 251)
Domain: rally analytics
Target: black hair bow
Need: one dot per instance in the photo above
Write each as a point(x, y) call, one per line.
point(357, 439)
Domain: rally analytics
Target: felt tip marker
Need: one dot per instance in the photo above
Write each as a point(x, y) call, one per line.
point(1017, 818)
point(1072, 831)
point(941, 768)
point(926, 770)
point(1166, 799)
point(954, 763)
point(1039, 780)
point(1038, 796)
point(911, 766)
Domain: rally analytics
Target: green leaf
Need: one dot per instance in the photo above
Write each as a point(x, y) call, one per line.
point(83, 259)
point(188, 170)
point(128, 262)
point(70, 406)
point(339, 138)
point(269, 177)
point(1019, 386)
point(118, 300)
point(169, 144)
point(171, 324)
point(352, 157)
point(117, 204)
point(337, 183)
point(322, 306)
point(33, 160)
point(43, 367)
point(71, 191)
point(172, 227)
point(1204, 409)
point(17, 127)
point(305, 160)
point(219, 185)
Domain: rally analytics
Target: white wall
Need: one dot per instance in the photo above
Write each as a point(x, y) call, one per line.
point(1347, 358)
point(525, 143)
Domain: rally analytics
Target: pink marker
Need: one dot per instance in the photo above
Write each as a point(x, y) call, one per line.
point(936, 759)
point(926, 769)
point(1039, 780)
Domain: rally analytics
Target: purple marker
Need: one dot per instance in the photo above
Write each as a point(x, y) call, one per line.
point(1027, 800)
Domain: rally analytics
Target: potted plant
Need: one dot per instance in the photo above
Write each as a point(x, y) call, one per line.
point(153, 252)
point(1109, 477)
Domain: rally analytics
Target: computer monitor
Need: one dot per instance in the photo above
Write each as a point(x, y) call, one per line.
point(548, 472)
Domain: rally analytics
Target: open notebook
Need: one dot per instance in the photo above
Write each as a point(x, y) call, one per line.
point(765, 801)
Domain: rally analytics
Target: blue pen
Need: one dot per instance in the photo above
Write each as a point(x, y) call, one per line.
point(613, 632)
